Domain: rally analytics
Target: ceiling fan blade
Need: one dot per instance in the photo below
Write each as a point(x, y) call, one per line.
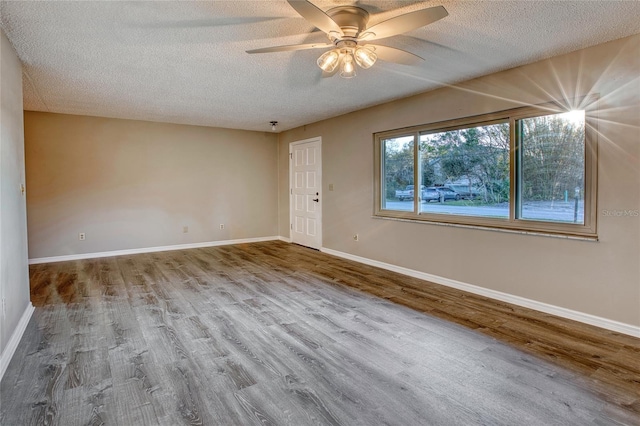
point(212, 22)
point(398, 56)
point(290, 47)
point(315, 16)
point(404, 23)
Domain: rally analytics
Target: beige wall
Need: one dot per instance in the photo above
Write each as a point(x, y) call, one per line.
point(598, 278)
point(132, 184)
point(14, 271)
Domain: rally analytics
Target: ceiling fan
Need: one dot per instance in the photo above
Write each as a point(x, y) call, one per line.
point(346, 27)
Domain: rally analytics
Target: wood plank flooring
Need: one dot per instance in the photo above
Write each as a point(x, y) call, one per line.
point(273, 333)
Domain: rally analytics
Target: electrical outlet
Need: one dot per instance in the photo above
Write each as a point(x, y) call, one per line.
point(330, 187)
point(185, 229)
point(82, 236)
point(222, 226)
point(356, 237)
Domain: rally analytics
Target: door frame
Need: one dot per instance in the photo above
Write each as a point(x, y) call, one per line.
point(317, 139)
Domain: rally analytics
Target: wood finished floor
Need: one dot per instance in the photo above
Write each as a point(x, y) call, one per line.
point(273, 333)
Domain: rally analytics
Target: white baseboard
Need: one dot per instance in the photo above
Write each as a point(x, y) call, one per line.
point(285, 239)
point(605, 323)
point(147, 250)
point(12, 345)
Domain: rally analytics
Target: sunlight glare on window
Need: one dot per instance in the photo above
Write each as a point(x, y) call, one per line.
point(575, 116)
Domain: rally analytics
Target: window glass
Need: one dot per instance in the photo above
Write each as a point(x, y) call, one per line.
point(398, 171)
point(466, 171)
point(552, 166)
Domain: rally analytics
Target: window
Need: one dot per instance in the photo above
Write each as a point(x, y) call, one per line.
point(398, 164)
point(551, 159)
point(528, 169)
point(469, 167)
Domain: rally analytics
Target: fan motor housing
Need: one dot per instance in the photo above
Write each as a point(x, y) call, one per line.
point(352, 20)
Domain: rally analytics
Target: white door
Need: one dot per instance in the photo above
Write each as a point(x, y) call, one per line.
point(305, 165)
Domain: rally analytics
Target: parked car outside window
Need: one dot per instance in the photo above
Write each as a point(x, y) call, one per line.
point(464, 191)
point(445, 193)
point(430, 194)
point(407, 193)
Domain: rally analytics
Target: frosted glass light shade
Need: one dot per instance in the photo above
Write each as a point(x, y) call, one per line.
point(365, 57)
point(328, 61)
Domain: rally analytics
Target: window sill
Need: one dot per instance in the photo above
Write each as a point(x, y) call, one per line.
point(593, 238)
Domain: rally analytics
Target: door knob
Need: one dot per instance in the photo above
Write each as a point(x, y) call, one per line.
point(316, 199)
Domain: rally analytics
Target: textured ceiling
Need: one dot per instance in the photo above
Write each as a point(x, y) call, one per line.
point(185, 62)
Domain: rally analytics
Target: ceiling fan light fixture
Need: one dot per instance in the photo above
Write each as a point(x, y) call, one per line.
point(328, 61)
point(365, 57)
point(349, 36)
point(348, 66)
